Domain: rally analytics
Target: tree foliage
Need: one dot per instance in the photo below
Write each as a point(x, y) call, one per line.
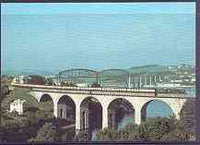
point(67, 84)
point(154, 129)
point(47, 133)
point(179, 133)
point(82, 136)
point(16, 128)
point(95, 85)
point(130, 132)
point(187, 116)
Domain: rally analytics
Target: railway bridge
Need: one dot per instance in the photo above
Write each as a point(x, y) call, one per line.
point(98, 108)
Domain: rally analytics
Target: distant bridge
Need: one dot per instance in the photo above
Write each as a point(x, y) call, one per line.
point(118, 77)
point(102, 103)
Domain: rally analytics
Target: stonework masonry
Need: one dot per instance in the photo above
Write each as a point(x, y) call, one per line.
point(138, 99)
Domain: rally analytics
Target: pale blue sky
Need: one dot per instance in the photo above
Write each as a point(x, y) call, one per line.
point(54, 37)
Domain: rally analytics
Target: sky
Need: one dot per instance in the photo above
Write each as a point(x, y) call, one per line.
point(55, 37)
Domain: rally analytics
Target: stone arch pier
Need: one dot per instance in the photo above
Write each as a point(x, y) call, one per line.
point(100, 102)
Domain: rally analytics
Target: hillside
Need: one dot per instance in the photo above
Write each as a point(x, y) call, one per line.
point(148, 69)
point(26, 72)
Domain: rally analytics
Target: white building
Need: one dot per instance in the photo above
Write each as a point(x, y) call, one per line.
point(15, 80)
point(176, 81)
point(82, 85)
point(18, 79)
point(168, 85)
point(17, 105)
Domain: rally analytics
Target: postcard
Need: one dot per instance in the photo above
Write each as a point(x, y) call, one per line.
point(98, 72)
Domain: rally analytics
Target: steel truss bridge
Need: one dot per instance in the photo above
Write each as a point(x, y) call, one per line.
point(110, 78)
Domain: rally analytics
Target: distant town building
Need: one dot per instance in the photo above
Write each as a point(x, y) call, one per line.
point(56, 82)
point(35, 79)
point(17, 105)
point(82, 85)
point(176, 81)
point(20, 79)
point(31, 79)
point(193, 78)
point(15, 79)
point(168, 85)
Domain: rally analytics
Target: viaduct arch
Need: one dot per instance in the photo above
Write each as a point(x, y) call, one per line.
point(105, 96)
point(46, 102)
point(145, 106)
point(90, 115)
point(66, 108)
point(117, 110)
point(135, 104)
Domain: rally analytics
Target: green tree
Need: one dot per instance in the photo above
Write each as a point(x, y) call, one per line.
point(187, 116)
point(4, 93)
point(179, 133)
point(45, 110)
point(95, 85)
point(15, 128)
point(108, 135)
point(131, 132)
point(155, 128)
point(47, 133)
point(82, 136)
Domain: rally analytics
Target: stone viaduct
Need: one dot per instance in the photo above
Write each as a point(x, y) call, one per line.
point(138, 99)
